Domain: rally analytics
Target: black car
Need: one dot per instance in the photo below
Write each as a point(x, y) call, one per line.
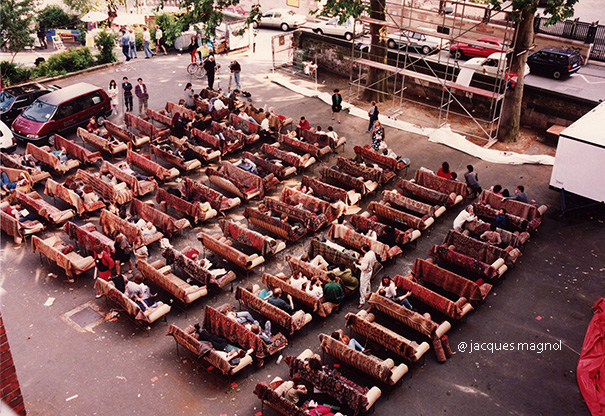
point(556, 63)
point(14, 100)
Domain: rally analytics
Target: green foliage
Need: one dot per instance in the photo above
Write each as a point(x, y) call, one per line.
point(53, 17)
point(71, 60)
point(105, 42)
point(16, 17)
point(556, 10)
point(13, 73)
point(84, 6)
point(170, 27)
point(343, 8)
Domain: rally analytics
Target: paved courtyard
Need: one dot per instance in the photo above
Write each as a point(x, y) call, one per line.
point(72, 362)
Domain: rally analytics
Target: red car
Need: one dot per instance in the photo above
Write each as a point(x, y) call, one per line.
point(464, 50)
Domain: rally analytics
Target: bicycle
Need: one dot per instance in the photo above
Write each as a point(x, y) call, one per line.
point(197, 69)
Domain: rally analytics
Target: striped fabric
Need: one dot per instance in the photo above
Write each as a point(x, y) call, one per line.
point(82, 154)
point(404, 315)
point(149, 166)
point(106, 190)
point(145, 127)
point(345, 179)
point(274, 225)
point(139, 188)
point(288, 157)
point(439, 184)
point(325, 190)
point(310, 220)
point(424, 193)
point(193, 190)
point(397, 216)
point(169, 225)
point(394, 197)
point(304, 147)
point(388, 162)
point(318, 206)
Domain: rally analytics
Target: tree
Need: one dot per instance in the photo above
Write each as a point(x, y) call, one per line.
point(16, 25)
point(376, 82)
point(54, 17)
point(524, 12)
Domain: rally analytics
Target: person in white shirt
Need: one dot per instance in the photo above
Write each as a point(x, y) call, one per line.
point(298, 281)
point(219, 105)
point(371, 234)
point(367, 267)
point(314, 289)
point(388, 289)
point(146, 41)
point(159, 41)
point(466, 215)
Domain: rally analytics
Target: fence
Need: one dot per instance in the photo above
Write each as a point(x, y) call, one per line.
point(576, 30)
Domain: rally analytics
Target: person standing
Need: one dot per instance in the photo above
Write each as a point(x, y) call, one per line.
point(127, 88)
point(236, 69)
point(192, 48)
point(42, 35)
point(336, 104)
point(210, 67)
point(367, 268)
point(125, 45)
point(472, 179)
point(377, 136)
point(189, 100)
point(104, 263)
point(141, 92)
point(123, 251)
point(159, 41)
point(373, 114)
point(146, 41)
point(113, 95)
point(132, 42)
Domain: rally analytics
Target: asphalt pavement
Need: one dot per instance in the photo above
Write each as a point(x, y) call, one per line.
point(115, 368)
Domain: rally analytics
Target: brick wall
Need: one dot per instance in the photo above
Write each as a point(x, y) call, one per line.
point(9, 383)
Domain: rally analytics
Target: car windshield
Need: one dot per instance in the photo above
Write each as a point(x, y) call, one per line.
point(6, 100)
point(39, 111)
point(291, 12)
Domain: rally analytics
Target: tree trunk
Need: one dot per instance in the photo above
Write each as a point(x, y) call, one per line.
point(377, 83)
point(511, 112)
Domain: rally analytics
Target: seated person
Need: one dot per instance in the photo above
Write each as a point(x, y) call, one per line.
point(119, 281)
point(333, 291)
point(125, 167)
point(243, 115)
point(298, 280)
point(466, 215)
point(318, 261)
point(297, 227)
point(263, 293)
point(240, 317)
point(93, 126)
point(500, 220)
point(371, 234)
point(248, 166)
point(146, 227)
point(492, 236)
point(346, 278)
point(314, 288)
point(388, 289)
point(88, 195)
point(304, 124)
point(8, 186)
point(140, 293)
point(19, 213)
point(277, 300)
point(60, 154)
point(291, 391)
point(265, 335)
point(221, 345)
point(332, 134)
point(340, 336)
point(217, 103)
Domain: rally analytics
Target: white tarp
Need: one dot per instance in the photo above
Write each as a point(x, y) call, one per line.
point(442, 135)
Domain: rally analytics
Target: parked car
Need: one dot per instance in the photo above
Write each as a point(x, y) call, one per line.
point(7, 139)
point(60, 111)
point(556, 63)
point(285, 19)
point(235, 11)
point(13, 100)
point(490, 65)
point(418, 41)
point(465, 50)
point(349, 29)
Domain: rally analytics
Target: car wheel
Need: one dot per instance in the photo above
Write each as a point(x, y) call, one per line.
point(458, 54)
point(348, 36)
point(285, 27)
point(426, 50)
point(556, 74)
point(318, 31)
point(391, 43)
point(255, 25)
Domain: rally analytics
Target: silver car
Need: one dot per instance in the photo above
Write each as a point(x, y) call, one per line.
point(418, 41)
point(285, 19)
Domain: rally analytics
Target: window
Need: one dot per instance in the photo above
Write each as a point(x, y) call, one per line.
point(39, 111)
point(65, 110)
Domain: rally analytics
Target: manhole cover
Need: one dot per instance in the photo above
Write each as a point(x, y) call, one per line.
point(85, 317)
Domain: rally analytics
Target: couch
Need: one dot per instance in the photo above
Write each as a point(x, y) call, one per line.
point(489, 262)
point(193, 191)
point(145, 127)
point(192, 209)
point(101, 142)
point(336, 257)
point(219, 324)
point(222, 246)
point(12, 163)
point(320, 138)
point(224, 146)
point(82, 154)
point(17, 175)
point(239, 182)
point(386, 162)
point(39, 207)
point(186, 165)
point(513, 239)
point(422, 324)
point(125, 135)
point(18, 230)
point(369, 174)
point(112, 194)
point(349, 237)
point(169, 225)
point(385, 210)
point(274, 225)
point(247, 126)
point(161, 276)
point(203, 153)
point(45, 156)
point(60, 253)
point(231, 134)
point(382, 370)
point(268, 166)
point(304, 147)
point(294, 159)
point(265, 244)
point(88, 237)
point(119, 299)
point(330, 192)
point(423, 210)
point(203, 349)
point(159, 116)
point(347, 181)
point(525, 217)
point(172, 108)
point(210, 278)
point(298, 265)
point(310, 302)
point(54, 189)
point(291, 323)
point(363, 323)
point(151, 167)
point(138, 187)
point(359, 399)
point(332, 211)
point(111, 222)
point(310, 220)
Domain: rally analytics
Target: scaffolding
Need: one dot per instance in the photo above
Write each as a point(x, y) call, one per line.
point(455, 22)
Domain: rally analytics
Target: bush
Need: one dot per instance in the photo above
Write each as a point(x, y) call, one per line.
point(138, 38)
point(14, 74)
point(71, 60)
point(106, 42)
point(53, 17)
point(170, 27)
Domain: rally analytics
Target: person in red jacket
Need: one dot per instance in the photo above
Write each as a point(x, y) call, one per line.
point(104, 263)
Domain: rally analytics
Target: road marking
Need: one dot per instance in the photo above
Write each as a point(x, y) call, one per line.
point(592, 83)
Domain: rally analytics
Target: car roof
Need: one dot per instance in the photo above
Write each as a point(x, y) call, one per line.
point(490, 39)
point(559, 51)
point(25, 89)
point(281, 10)
point(59, 96)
